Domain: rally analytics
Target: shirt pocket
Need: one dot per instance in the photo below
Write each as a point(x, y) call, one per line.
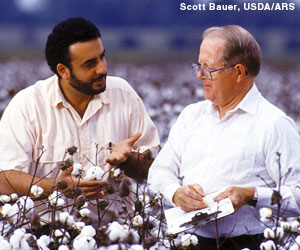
point(51, 154)
point(49, 160)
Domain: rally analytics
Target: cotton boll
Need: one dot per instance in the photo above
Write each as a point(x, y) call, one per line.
point(16, 238)
point(137, 221)
point(41, 245)
point(5, 198)
point(14, 197)
point(88, 231)
point(136, 247)
point(115, 172)
point(94, 173)
point(269, 233)
point(294, 226)
point(66, 218)
point(36, 191)
point(115, 232)
point(113, 247)
point(27, 203)
point(62, 236)
point(265, 215)
point(134, 237)
point(56, 199)
point(46, 239)
point(10, 212)
point(285, 225)
point(188, 239)
point(294, 247)
point(63, 247)
point(268, 245)
point(84, 212)
point(4, 210)
point(24, 244)
point(279, 233)
point(84, 242)
point(297, 240)
point(79, 225)
point(77, 169)
point(4, 245)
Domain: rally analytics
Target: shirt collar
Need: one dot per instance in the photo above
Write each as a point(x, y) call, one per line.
point(58, 97)
point(248, 104)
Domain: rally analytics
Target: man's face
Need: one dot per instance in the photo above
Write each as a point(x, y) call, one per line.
point(221, 89)
point(88, 67)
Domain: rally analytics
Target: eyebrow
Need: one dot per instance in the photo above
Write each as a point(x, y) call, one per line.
point(92, 60)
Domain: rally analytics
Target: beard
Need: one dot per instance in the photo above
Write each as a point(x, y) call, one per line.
point(87, 87)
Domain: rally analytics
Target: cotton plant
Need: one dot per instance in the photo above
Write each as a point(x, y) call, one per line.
point(56, 199)
point(94, 173)
point(36, 191)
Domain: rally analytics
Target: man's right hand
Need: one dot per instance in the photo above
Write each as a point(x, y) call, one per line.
point(90, 189)
point(189, 197)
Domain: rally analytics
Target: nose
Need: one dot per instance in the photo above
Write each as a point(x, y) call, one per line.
point(101, 67)
point(200, 75)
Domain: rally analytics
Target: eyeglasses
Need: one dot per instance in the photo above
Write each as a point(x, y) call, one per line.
point(206, 72)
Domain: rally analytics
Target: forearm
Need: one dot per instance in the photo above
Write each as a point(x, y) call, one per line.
point(13, 181)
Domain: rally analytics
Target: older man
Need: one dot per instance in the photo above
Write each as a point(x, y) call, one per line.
point(230, 143)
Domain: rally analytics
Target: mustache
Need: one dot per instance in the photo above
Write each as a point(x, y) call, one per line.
point(100, 77)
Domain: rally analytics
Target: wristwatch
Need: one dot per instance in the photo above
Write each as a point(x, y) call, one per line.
point(253, 202)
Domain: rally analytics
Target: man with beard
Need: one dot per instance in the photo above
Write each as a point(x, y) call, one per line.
point(102, 116)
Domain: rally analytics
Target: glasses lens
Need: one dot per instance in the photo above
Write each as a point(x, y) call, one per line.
point(205, 74)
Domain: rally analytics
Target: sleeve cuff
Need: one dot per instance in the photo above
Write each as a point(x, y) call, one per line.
point(170, 191)
point(264, 195)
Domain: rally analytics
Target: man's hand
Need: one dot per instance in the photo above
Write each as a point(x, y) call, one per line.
point(239, 196)
point(122, 150)
point(90, 189)
point(189, 197)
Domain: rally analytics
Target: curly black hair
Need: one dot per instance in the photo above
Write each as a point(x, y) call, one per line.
point(65, 34)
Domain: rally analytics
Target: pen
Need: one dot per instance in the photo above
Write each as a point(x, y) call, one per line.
point(192, 188)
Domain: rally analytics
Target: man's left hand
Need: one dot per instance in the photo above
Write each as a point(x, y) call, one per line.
point(122, 150)
point(239, 196)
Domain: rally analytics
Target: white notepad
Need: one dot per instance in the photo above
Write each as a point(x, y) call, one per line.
point(179, 221)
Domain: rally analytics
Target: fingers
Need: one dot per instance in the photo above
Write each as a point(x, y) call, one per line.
point(133, 139)
point(122, 150)
point(116, 158)
point(188, 199)
point(238, 196)
point(197, 188)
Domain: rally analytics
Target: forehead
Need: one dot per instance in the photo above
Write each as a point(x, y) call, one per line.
point(82, 51)
point(211, 50)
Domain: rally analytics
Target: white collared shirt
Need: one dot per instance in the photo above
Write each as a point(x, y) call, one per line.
point(238, 150)
point(39, 116)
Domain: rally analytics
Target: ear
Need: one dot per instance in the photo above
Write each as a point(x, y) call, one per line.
point(63, 71)
point(241, 71)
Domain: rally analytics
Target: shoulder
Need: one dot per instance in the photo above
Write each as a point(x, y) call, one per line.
point(274, 118)
point(36, 94)
point(114, 83)
point(195, 110)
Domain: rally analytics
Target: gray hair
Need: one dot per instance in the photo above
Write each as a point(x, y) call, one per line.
point(240, 47)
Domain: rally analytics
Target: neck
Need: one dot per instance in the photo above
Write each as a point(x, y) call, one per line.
point(78, 100)
point(231, 104)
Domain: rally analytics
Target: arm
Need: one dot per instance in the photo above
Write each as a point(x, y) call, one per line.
point(13, 181)
point(282, 161)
